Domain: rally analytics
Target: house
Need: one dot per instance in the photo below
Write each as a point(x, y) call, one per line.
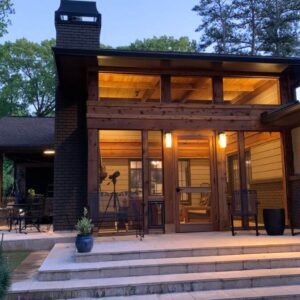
point(171, 135)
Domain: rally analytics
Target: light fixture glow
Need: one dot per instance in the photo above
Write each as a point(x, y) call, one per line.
point(168, 140)
point(49, 152)
point(223, 140)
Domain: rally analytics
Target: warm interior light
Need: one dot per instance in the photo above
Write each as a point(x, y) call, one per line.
point(223, 140)
point(49, 152)
point(169, 140)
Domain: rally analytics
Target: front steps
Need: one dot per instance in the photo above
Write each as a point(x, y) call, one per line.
point(240, 271)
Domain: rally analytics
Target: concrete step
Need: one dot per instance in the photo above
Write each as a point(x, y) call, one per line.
point(61, 269)
point(158, 284)
point(265, 293)
point(143, 251)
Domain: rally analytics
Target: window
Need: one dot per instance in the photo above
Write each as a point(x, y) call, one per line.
point(156, 178)
point(135, 178)
point(184, 179)
point(251, 90)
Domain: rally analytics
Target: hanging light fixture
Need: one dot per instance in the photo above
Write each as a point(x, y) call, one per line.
point(222, 140)
point(168, 139)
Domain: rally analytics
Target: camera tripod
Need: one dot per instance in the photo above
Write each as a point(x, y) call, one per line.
point(116, 205)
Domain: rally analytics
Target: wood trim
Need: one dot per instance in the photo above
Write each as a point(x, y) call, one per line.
point(93, 87)
point(218, 94)
point(93, 174)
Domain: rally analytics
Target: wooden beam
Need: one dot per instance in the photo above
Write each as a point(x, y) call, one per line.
point(93, 174)
point(165, 89)
point(218, 96)
point(183, 72)
point(149, 92)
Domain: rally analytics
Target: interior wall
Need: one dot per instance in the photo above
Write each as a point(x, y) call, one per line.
point(296, 149)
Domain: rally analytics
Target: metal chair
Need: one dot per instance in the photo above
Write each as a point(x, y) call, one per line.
point(243, 205)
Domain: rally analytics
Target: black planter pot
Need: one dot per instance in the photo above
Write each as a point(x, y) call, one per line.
point(274, 220)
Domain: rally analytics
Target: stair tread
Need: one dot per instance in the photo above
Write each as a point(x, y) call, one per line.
point(62, 264)
point(34, 285)
point(248, 293)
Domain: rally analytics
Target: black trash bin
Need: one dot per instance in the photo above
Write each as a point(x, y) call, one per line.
point(274, 220)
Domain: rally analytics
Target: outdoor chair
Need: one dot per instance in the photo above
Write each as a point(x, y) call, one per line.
point(243, 204)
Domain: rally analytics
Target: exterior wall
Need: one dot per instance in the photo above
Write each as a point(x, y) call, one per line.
point(70, 160)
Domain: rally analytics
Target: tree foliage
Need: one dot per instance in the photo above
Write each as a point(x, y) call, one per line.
point(266, 27)
point(27, 78)
point(6, 8)
point(163, 43)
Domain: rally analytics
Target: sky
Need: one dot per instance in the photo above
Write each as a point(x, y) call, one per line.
point(123, 21)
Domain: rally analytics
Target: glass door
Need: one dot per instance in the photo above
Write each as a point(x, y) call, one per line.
point(194, 188)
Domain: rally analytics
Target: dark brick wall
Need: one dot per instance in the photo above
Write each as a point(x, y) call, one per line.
point(77, 36)
point(295, 202)
point(70, 160)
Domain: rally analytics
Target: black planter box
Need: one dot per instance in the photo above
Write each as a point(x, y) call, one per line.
point(274, 220)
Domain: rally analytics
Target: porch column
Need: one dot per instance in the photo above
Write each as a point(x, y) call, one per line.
point(93, 153)
point(1, 178)
point(243, 173)
point(169, 186)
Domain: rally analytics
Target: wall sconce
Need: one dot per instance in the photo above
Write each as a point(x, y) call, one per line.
point(49, 152)
point(223, 140)
point(168, 138)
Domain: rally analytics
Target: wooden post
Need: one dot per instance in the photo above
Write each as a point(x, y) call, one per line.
point(93, 174)
point(221, 175)
point(145, 157)
point(165, 89)
point(1, 178)
point(243, 174)
point(93, 153)
point(218, 95)
point(288, 171)
point(169, 185)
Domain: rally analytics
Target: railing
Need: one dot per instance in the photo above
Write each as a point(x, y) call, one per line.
point(156, 214)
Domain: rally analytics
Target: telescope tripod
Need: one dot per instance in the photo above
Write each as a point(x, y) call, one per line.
point(116, 206)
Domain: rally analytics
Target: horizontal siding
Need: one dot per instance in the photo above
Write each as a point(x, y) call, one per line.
point(266, 161)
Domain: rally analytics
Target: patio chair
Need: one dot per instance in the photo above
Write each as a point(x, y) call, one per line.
point(243, 204)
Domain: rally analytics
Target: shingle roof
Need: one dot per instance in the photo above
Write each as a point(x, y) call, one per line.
point(26, 132)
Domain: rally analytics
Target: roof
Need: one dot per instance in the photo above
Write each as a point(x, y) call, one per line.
point(286, 115)
point(26, 132)
point(157, 60)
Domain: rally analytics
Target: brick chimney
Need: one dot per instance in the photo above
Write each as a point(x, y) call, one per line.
point(78, 25)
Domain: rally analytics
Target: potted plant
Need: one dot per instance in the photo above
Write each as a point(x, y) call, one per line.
point(84, 240)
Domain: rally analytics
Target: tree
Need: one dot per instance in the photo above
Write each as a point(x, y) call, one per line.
point(280, 26)
point(27, 78)
point(217, 25)
point(6, 8)
point(163, 43)
point(248, 25)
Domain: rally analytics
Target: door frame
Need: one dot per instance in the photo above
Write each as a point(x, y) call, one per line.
point(210, 136)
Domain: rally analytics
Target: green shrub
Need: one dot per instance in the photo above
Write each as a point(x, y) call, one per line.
point(4, 273)
point(84, 225)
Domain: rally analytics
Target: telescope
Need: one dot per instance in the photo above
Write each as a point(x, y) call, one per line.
point(114, 176)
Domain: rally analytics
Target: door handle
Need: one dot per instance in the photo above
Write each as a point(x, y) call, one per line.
point(178, 189)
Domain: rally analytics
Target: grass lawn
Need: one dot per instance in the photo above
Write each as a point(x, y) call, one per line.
point(15, 258)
